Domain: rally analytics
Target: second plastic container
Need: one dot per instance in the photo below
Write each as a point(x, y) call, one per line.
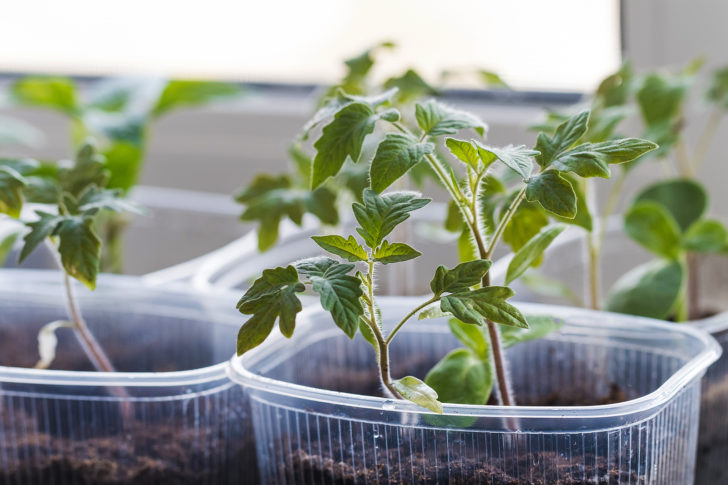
point(169, 415)
point(317, 422)
point(620, 254)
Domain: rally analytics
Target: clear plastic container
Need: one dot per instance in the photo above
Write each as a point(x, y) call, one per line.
point(620, 254)
point(170, 415)
point(311, 427)
point(179, 228)
point(240, 263)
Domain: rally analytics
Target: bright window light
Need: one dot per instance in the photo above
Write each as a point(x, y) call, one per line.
point(532, 44)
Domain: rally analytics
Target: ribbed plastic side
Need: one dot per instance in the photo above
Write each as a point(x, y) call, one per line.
point(172, 416)
point(712, 463)
point(193, 438)
point(305, 442)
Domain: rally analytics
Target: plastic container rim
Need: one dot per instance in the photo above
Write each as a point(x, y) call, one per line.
point(201, 375)
point(689, 371)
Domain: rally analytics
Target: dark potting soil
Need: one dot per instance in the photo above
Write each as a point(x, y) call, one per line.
point(319, 468)
point(158, 454)
point(144, 453)
point(421, 470)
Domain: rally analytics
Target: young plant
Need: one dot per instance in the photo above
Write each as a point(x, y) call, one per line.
point(399, 149)
point(76, 194)
point(668, 219)
point(349, 295)
point(660, 98)
point(119, 112)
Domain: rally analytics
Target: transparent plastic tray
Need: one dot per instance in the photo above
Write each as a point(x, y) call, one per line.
point(169, 415)
point(620, 255)
point(308, 432)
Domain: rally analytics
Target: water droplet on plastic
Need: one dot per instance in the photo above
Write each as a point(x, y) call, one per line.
point(388, 405)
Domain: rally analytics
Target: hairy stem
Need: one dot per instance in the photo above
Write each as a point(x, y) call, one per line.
point(408, 316)
point(472, 221)
point(501, 227)
point(382, 344)
point(706, 137)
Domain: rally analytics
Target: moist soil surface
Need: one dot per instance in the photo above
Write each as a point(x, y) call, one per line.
point(160, 452)
point(315, 468)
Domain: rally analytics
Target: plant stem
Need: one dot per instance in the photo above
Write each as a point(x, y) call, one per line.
point(693, 290)
point(488, 253)
point(408, 316)
point(683, 160)
point(594, 246)
point(382, 344)
point(706, 137)
point(90, 345)
point(472, 221)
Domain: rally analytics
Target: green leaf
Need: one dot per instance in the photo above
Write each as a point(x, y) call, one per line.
point(410, 87)
point(395, 156)
point(339, 100)
point(660, 98)
point(649, 290)
point(342, 138)
point(461, 377)
point(88, 169)
point(454, 221)
point(94, 199)
point(583, 217)
point(582, 161)
point(339, 291)
point(394, 253)
point(437, 119)
point(492, 80)
point(472, 336)
point(460, 278)
point(538, 327)
point(180, 93)
point(378, 215)
point(532, 251)
point(7, 242)
point(527, 221)
point(271, 297)
point(413, 389)
point(484, 303)
point(432, 311)
point(45, 226)
point(124, 162)
point(464, 151)
point(553, 192)
point(11, 191)
point(705, 236)
point(686, 200)
point(622, 150)
point(603, 122)
point(718, 89)
point(567, 134)
point(654, 228)
point(550, 287)
point(517, 158)
point(268, 199)
point(348, 249)
point(79, 248)
point(57, 93)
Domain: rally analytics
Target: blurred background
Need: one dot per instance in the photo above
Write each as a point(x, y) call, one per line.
point(506, 61)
